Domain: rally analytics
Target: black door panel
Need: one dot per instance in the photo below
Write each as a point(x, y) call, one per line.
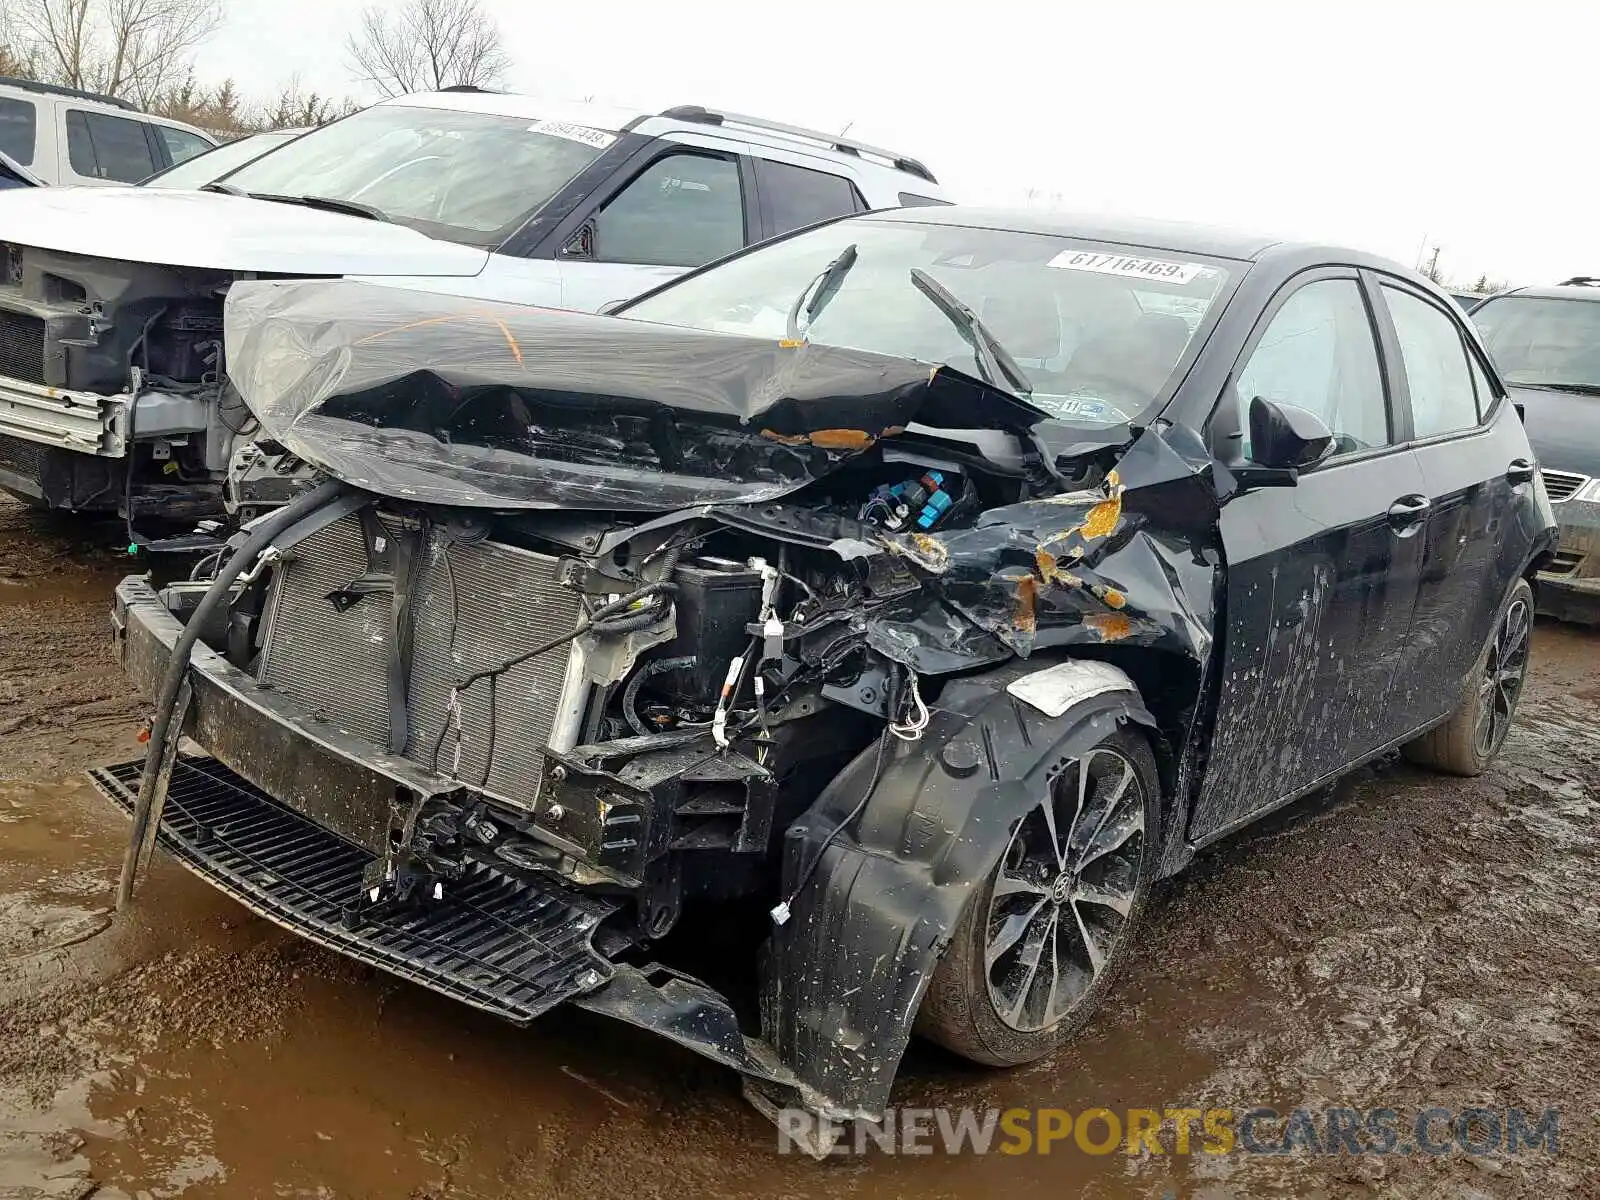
point(1320, 596)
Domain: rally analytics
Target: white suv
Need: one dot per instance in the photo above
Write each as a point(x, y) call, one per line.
point(113, 392)
point(64, 136)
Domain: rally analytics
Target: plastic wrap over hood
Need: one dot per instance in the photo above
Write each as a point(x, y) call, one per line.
point(449, 400)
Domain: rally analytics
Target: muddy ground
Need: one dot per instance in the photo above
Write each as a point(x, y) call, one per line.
point(1407, 941)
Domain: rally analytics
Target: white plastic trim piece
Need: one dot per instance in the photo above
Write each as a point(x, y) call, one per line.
point(1057, 688)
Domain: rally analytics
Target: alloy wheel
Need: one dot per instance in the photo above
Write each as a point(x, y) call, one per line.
point(1065, 890)
point(1504, 670)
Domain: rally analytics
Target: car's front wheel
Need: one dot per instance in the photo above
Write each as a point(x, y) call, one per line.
point(1037, 946)
point(1468, 741)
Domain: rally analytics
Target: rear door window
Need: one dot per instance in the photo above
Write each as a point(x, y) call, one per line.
point(18, 129)
point(1443, 398)
point(794, 197)
point(100, 146)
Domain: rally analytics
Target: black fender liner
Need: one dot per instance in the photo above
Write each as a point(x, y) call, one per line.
point(843, 977)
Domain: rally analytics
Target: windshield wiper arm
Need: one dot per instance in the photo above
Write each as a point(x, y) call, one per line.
point(227, 189)
point(994, 360)
point(821, 290)
point(327, 203)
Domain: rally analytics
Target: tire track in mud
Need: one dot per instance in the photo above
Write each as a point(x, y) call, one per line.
point(1421, 941)
point(63, 701)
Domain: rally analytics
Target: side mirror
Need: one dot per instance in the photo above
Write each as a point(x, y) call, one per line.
point(1285, 438)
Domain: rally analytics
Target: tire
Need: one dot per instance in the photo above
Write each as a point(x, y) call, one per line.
point(1472, 735)
point(1003, 1018)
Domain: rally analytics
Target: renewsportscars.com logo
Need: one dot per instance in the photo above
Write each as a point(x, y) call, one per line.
point(1261, 1130)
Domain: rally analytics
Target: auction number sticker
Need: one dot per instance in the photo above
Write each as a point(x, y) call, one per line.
point(1123, 264)
point(598, 138)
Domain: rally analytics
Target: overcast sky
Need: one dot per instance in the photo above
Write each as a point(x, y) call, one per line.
point(1389, 126)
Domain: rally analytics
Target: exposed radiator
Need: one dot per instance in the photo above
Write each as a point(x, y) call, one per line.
point(492, 603)
point(20, 456)
point(22, 337)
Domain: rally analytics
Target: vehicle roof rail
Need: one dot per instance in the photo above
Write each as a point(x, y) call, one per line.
point(706, 116)
point(470, 87)
point(56, 89)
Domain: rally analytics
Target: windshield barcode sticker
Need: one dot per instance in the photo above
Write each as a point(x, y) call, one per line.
point(598, 138)
point(1122, 264)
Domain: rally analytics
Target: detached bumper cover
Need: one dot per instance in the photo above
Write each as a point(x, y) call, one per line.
point(491, 942)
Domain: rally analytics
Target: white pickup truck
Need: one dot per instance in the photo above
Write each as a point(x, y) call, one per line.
point(114, 395)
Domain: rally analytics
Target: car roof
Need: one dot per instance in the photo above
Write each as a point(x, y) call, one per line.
point(31, 90)
point(1208, 240)
point(1575, 291)
point(684, 118)
point(533, 108)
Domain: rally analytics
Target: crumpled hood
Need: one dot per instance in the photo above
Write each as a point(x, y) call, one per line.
point(217, 232)
point(448, 400)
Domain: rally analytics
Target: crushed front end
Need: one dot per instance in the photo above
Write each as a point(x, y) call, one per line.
point(583, 677)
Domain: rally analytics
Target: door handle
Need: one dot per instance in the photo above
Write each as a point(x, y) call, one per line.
point(1521, 470)
point(1407, 513)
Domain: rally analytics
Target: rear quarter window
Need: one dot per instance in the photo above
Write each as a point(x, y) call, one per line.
point(797, 196)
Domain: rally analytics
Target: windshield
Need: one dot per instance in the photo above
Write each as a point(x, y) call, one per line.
point(1543, 341)
point(1099, 331)
point(214, 164)
point(464, 177)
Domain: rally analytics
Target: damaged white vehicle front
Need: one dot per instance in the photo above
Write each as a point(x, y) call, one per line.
point(114, 389)
point(113, 394)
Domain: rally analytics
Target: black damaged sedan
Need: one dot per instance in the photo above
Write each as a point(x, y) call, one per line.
point(926, 585)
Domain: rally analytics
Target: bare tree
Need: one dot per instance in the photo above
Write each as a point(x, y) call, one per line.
point(128, 48)
point(428, 45)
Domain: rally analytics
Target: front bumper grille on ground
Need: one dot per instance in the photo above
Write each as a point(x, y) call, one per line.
point(1562, 485)
point(473, 606)
point(492, 942)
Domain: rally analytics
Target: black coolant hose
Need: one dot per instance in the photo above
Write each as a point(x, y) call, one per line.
point(178, 665)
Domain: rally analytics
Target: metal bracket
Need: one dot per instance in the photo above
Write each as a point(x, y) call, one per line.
point(152, 799)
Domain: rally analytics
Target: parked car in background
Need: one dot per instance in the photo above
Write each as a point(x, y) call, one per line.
point(1468, 300)
point(206, 168)
point(66, 136)
point(931, 581)
point(1546, 341)
point(112, 394)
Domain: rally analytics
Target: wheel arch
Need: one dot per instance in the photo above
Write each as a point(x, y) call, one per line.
point(844, 974)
